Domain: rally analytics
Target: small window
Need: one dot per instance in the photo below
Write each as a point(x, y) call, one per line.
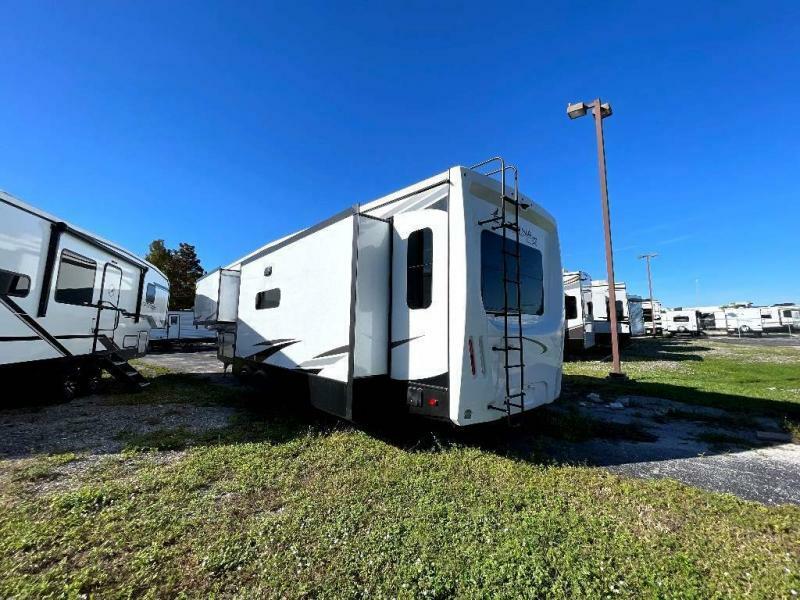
point(419, 273)
point(150, 295)
point(767, 315)
point(590, 308)
point(75, 283)
point(571, 307)
point(787, 314)
point(620, 312)
point(531, 275)
point(268, 299)
point(14, 284)
point(681, 319)
point(173, 319)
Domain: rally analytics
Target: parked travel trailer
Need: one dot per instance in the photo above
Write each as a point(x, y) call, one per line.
point(180, 328)
point(71, 303)
point(744, 321)
point(636, 315)
point(780, 318)
point(579, 321)
point(444, 298)
point(602, 324)
point(681, 322)
point(651, 314)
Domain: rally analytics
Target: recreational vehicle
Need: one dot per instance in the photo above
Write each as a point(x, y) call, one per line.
point(579, 328)
point(602, 324)
point(744, 321)
point(71, 303)
point(780, 318)
point(444, 299)
point(681, 322)
point(651, 315)
point(180, 328)
point(636, 315)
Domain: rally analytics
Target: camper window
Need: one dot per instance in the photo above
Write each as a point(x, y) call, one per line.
point(75, 283)
point(419, 272)
point(766, 315)
point(14, 284)
point(787, 314)
point(530, 271)
point(680, 319)
point(268, 299)
point(589, 308)
point(620, 312)
point(571, 307)
point(150, 295)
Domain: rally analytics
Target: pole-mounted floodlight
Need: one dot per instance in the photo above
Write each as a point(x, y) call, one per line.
point(600, 111)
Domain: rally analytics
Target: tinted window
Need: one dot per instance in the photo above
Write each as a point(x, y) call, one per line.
point(419, 272)
point(268, 299)
point(571, 307)
point(75, 283)
point(787, 313)
point(680, 319)
point(590, 308)
point(14, 284)
point(766, 315)
point(530, 270)
point(619, 309)
point(150, 295)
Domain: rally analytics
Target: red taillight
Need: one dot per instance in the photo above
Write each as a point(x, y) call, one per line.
point(433, 401)
point(471, 356)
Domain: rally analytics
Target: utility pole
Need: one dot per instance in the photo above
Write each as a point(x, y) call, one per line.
point(647, 257)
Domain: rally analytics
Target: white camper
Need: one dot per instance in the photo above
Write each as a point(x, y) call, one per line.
point(602, 324)
point(744, 321)
point(444, 298)
point(578, 316)
point(180, 328)
point(780, 318)
point(71, 303)
point(681, 322)
point(651, 315)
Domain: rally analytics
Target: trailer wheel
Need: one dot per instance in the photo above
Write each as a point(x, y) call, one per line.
point(68, 388)
point(89, 381)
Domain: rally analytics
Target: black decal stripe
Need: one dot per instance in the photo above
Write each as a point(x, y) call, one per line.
point(267, 352)
point(334, 352)
point(405, 341)
point(31, 322)
point(273, 342)
point(19, 338)
point(76, 336)
point(312, 371)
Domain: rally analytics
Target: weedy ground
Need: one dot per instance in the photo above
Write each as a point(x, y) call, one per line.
point(287, 503)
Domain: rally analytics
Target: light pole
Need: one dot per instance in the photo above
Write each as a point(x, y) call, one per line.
point(600, 112)
point(647, 257)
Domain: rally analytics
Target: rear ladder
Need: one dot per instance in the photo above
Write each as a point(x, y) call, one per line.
point(512, 345)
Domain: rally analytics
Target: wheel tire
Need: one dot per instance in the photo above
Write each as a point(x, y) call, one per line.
point(69, 388)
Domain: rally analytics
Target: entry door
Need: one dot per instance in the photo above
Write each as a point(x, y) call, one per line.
point(108, 315)
point(418, 343)
point(174, 327)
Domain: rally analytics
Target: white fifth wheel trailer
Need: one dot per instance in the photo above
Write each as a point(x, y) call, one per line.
point(578, 311)
point(71, 303)
point(180, 328)
point(744, 321)
point(444, 298)
point(681, 322)
point(651, 315)
point(602, 324)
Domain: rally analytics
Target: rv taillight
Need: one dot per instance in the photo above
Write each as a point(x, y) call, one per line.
point(433, 401)
point(471, 356)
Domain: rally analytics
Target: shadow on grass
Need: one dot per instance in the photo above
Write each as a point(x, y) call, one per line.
point(647, 349)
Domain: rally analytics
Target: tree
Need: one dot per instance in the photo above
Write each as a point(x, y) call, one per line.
point(182, 268)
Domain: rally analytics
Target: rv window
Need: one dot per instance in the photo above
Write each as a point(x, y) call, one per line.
point(787, 314)
point(620, 314)
point(680, 319)
point(268, 299)
point(150, 295)
point(571, 307)
point(419, 273)
point(75, 283)
point(530, 272)
point(14, 284)
point(589, 308)
point(766, 315)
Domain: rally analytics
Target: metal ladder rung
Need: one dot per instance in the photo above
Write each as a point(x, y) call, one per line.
point(513, 366)
point(492, 220)
point(520, 406)
point(511, 226)
point(510, 200)
point(500, 349)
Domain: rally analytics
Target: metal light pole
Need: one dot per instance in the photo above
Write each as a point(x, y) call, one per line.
point(601, 111)
point(647, 257)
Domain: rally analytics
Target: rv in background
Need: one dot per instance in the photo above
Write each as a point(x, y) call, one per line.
point(180, 328)
point(443, 299)
point(71, 303)
point(636, 315)
point(681, 322)
point(743, 321)
point(651, 314)
point(602, 325)
point(578, 316)
point(781, 318)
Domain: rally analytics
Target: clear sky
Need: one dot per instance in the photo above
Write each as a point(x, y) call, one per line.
point(229, 124)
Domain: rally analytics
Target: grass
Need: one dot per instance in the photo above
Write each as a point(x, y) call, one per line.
point(753, 380)
point(287, 504)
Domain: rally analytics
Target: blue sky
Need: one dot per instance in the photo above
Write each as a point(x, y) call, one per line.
point(227, 125)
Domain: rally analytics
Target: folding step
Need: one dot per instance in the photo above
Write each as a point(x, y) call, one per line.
point(124, 372)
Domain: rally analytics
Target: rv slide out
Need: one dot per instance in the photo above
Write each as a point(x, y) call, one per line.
point(579, 321)
point(444, 299)
point(71, 303)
